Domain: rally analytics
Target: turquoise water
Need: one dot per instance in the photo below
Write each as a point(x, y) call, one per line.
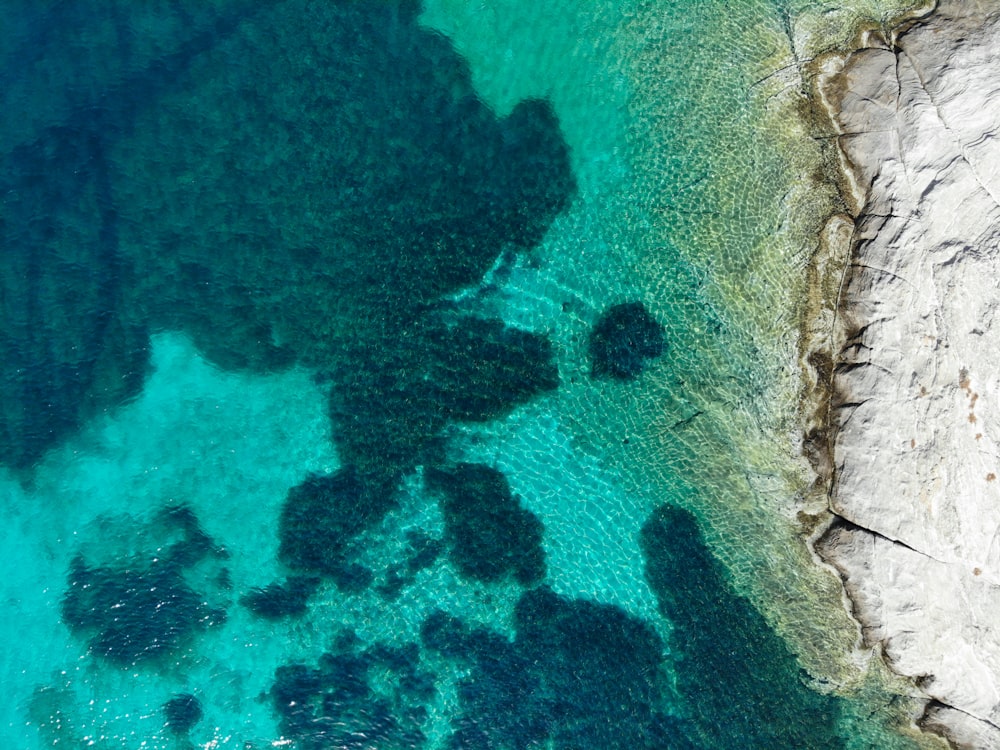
point(390, 375)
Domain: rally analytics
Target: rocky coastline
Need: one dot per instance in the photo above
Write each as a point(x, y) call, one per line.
point(909, 442)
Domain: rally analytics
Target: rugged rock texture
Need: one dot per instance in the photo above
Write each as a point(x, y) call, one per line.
point(917, 381)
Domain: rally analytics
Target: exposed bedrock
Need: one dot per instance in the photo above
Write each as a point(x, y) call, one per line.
point(917, 379)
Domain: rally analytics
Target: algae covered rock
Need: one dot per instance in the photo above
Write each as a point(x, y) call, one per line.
point(182, 712)
point(490, 536)
point(622, 339)
point(321, 520)
point(144, 606)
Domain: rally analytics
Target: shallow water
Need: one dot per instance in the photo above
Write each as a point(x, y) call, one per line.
point(387, 375)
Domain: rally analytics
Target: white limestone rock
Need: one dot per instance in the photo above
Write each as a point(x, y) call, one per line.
point(927, 616)
point(962, 730)
point(917, 385)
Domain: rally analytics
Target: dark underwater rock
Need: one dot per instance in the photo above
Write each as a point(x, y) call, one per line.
point(334, 194)
point(321, 518)
point(329, 203)
point(390, 404)
point(622, 339)
point(335, 704)
point(601, 664)
point(740, 685)
point(482, 369)
point(351, 577)
point(578, 675)
point(446, 635)
point(68, 348)
point(136, 616)
point(277, 600)
point(142, 608)
point(74, 342)
point(182, 712)
point(424, 549)
point(490, 536)
point(503, 703)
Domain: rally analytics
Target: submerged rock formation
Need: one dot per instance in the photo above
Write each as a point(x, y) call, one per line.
point(916, 384)
point(490, 535)
point(143, 606)
point(182, 712)
point(623, 338)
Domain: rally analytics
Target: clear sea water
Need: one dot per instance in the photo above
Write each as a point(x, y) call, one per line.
point(390, 375)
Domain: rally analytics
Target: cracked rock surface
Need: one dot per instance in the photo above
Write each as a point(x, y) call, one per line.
point(917, 384)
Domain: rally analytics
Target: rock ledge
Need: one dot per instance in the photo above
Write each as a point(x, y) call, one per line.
point(915, 410)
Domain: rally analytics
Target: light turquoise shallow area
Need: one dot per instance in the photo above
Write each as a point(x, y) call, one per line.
point(694, 196)
point(227, 445)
